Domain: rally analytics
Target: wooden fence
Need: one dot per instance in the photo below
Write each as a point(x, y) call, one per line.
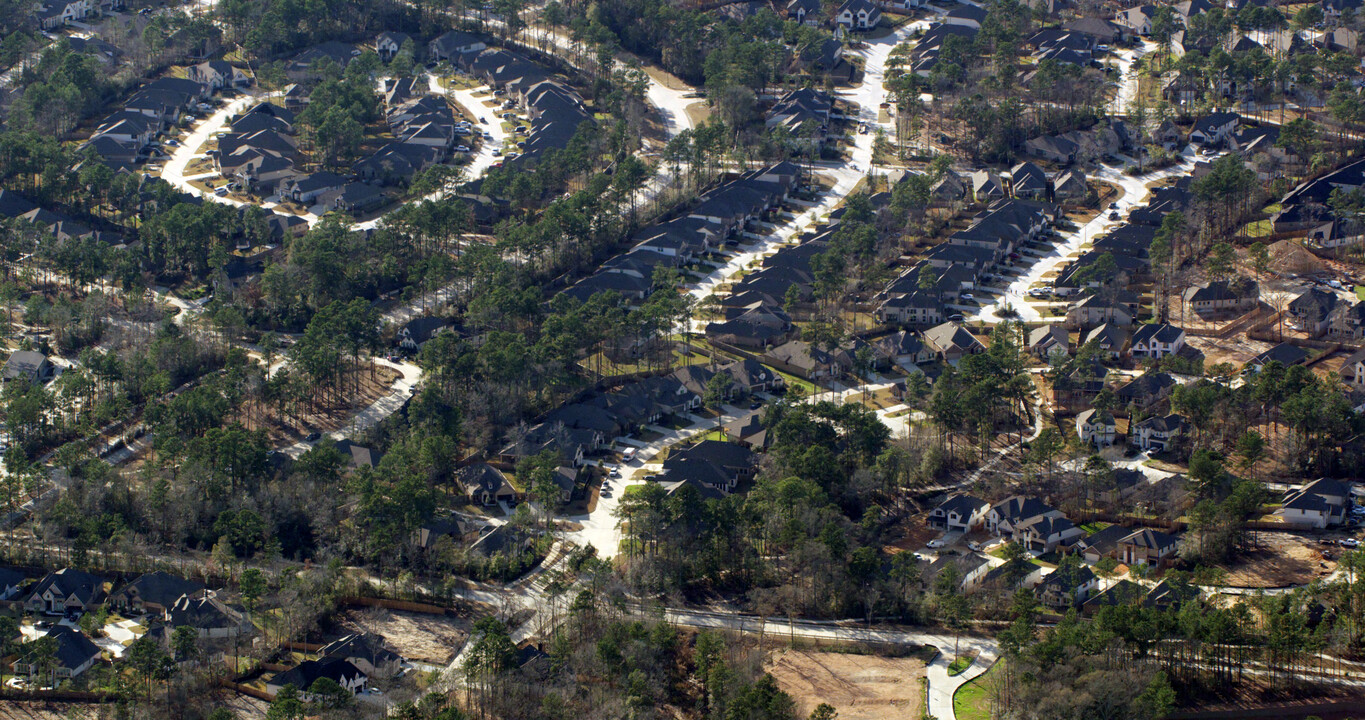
point(402, 605)
point(247, 690)
point(65, 696)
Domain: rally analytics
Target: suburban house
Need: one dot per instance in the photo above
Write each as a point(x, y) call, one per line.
point(1157, 340)
point(10, 583)
point(1312, 311)
point(209, 616)
point(1101, 544)
point(65, 591)
point(1319, 504)
point(1214, 129)
point(153, 592)
point(486, 485)
point(1007, 514)
point(53, 14)
point(75, 653)
point(960, 512)
point(1027, 180)
point(1070, 185)
point(714, 467)
point(1123, 592)
point(1284, 353)
point(366, 651)
point(1110, 339)
point(1223, 297)
point(804, 11)
point(858, 15)
point(1147, 389)
point(387, 44)
point(1146, 547)
point(462, 530)
point(1093, 310)
point(308, 672)
point(417, 331)
point(951, 342)
point(28, 365)
point(1048, 341)
point(965, 15)
point(1066, 587)
point(1158, 433)
point(218, 74)
point(1137, 19)
point(970, 569)
point(1096, 427)
point(452, 44)
point(1353, 370)
point(1044, 533)
point(986, 186)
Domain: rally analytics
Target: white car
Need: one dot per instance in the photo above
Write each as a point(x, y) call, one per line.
point(220, 192)
point(1349, 542)
point(934, 543)
point(973, 545)
point(461, 148)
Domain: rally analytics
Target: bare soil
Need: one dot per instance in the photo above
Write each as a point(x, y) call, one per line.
point(860, 687)
point(21, 710)
point(1283, 559)
point(243, 707)
point(416, 636)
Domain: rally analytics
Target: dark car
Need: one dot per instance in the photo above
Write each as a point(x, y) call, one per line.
point(755, 405)
point(313, 436)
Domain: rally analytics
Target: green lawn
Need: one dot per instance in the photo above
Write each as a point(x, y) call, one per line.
point(1360, 291)
point(958, 666)
point(972, 701)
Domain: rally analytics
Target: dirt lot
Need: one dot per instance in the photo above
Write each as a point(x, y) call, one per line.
point(860, 687)
point(1283, 559)
point(19, 710)
point(416, 636)
point(243, 707)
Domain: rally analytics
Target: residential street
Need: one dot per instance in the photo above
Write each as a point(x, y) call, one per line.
point(1135, 192)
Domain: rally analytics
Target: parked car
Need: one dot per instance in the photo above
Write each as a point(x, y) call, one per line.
point(1349, 542)
point(973, 545)
point(628, 454)
point(313, 436)
point(497, 152)
point(935, 543)
point(461, 148)
point(755, 404)
point(220, 192)
point(1113, 215)
point(862, 128)
point(614, 472)
point(522, 129)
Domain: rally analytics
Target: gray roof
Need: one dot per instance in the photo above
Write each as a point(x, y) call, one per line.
point(161, 588)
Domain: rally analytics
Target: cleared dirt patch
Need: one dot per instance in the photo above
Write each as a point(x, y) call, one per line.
point(1282, 559)
point(860, 687)
point(415, 636)
point(19, 710)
